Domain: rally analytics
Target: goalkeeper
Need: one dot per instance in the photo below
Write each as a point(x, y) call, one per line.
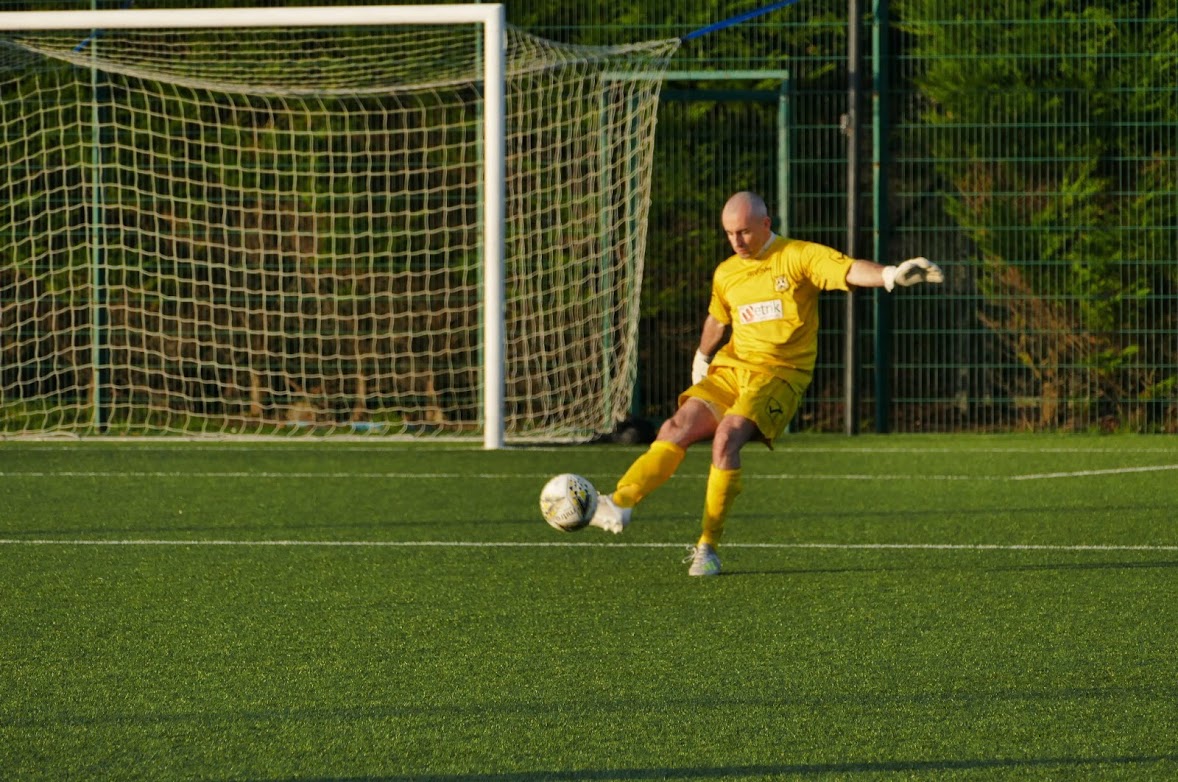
point(755, 359)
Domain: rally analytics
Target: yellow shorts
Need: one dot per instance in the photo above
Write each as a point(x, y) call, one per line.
point(767, 400)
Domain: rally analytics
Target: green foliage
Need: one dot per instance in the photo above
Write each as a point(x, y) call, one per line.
point(1048, 123)
point(1043, 128)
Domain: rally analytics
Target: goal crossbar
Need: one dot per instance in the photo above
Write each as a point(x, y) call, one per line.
point(489, 14)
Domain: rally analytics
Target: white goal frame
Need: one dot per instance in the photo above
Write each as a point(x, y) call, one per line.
point(493, 19)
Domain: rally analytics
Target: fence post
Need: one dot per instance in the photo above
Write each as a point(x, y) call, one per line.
point(880, 129)
point(851, 127)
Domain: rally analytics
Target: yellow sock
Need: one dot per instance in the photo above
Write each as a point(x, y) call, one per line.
point(648, 472)
point(723, 486)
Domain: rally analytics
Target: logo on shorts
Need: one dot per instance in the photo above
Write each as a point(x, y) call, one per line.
point(774, 408)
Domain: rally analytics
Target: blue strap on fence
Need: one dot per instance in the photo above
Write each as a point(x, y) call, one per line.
point(711, 28)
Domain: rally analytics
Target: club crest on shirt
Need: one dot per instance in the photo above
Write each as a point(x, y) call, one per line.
point(760, 311)
point(781, 284)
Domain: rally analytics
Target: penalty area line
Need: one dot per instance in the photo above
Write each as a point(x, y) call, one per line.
point(578, 544)
point(252, 475)
point(1088, 473)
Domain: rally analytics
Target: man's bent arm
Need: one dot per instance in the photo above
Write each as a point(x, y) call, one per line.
point(712, 337)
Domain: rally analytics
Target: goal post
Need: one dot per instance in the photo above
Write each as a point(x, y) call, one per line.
point(267, 223)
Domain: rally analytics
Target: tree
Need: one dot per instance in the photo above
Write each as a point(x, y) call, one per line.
point(1047, 132)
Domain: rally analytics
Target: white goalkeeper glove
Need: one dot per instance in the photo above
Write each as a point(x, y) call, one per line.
point(699, 366)
point(911, 272)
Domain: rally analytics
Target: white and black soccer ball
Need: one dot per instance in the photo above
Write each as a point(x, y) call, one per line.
point(568, 502)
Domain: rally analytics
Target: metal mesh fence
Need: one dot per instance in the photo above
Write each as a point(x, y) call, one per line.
point(1027, 147)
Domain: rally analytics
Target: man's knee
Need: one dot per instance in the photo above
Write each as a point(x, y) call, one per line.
point(731, 435)
point(692, 422)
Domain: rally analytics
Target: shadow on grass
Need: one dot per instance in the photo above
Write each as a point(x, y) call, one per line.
point(774, 771)
point(1164, 564)
point(1158, 565)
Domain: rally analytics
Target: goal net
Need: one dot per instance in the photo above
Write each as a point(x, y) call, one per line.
point(279, 231)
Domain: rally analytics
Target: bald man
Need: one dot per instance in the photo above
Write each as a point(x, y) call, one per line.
point(755, 359)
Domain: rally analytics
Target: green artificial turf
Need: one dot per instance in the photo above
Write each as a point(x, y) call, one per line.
point(908, 607)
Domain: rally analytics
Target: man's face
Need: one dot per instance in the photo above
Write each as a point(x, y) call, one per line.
point(746, 234)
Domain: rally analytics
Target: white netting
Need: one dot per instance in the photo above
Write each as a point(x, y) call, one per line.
point(278, 231)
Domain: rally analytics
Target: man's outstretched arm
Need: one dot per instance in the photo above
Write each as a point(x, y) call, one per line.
point(867, 274)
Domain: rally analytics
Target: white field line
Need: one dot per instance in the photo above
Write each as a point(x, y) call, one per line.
point(363, 445)
point(575, 544)
point(1086, 473)
point(511, 476)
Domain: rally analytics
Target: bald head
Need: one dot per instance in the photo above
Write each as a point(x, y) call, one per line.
point(747, 201)
point(746, 223)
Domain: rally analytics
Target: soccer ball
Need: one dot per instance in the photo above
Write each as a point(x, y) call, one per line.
point(568, 502)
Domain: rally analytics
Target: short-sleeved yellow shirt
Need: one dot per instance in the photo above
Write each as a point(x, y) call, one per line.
point(771, 303)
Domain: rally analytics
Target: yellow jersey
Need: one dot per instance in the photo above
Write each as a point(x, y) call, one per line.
point(771, 304)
